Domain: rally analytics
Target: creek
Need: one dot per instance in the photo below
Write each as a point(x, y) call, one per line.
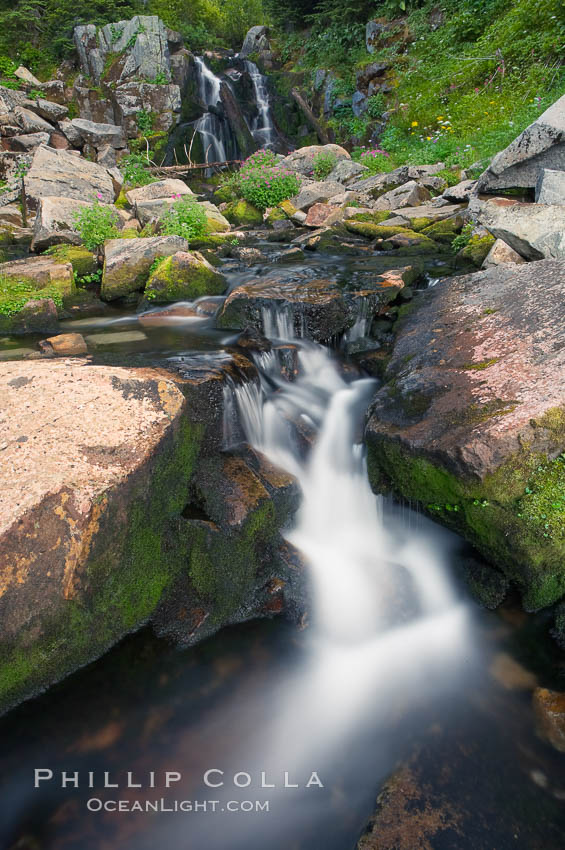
point(395, 667)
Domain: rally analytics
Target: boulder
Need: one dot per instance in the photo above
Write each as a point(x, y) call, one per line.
point(162, 101)
point(168, 188)
point(410, 194)
point(256, 41)
point(134, 49)
point(302, 160)
point(184, 276)
point(64, 345)
point(30, 122)
point(539, 146)
point(52, 112)
point(55, 222)
point(346, 170)
point(243, 213)
point(323, 214)
point(535, 231)
point(127, 262)
point(469, 422)
point(28, 142)
point(315, 193)
point(501, 253)
point(106, 156)
point(550, 187)
point(99, 135)
point(38, 315)
point(57, 173)
point(460, 192)
point(217, 223)
point(93, 107)
point(317, 306)
point(11, 214)
point(40, 272)
point(25, 75)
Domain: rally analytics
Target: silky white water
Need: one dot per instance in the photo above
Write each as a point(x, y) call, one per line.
point(262, 126)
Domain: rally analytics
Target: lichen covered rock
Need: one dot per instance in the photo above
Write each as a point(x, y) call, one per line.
point(471, 420)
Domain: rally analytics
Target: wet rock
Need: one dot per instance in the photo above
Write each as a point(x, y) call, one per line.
point(291, 255)
point(81, 529)
point(535, 231)
point(115, 338)
point(64, 345)
point(410, 194)
point(127, 262)
point(539, 146)
point(184, 276)
point(251, 340)
point(501, 253)
point(302, 160)
point(469, 423)
point(511, 674)
point(550, 187)
point(57, 173)
point(316, 305)
point(168, 316)
point(549, 710)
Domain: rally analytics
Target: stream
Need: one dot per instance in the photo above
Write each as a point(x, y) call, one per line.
point(296, 729)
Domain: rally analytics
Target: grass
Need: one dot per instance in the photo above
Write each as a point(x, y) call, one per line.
point(14, 294)
point(462, 92)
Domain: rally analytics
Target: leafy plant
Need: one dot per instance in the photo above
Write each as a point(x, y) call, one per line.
point(14, 294)
point(324, 164)
point(376, 160)
point(184, 218)
point(160, 79)
point(135, 168)
point(463, 239)
point(376, 106)
point(145, 121)
point(92, 279)
point(96, 224)
point(264, 183)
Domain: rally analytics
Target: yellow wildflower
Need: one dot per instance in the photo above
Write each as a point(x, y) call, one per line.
point(414, 123)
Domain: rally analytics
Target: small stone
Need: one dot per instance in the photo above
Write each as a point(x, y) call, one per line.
point(64, 345)
point(549, 710)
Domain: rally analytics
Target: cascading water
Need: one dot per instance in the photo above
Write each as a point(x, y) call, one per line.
point(262, 126)
point(214, 132)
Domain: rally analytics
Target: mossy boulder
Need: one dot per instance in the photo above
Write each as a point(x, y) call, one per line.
point(444, 231)
point(410, 242)
point(372, 217)
point(127, 262)
point(477, 249)
point(275, 214)
point(372, 230)
point(183, 276)
point(470, 423)
point(82, 260)
point(243, 213)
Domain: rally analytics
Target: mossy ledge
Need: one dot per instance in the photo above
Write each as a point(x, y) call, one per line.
point(515, 517)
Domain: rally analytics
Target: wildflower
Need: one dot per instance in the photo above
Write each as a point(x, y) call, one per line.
point(414, 124)
point(99, 196)
point(428, 138)
point(439, 118)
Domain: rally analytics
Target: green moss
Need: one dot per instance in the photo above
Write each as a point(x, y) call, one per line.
point(444, 231)
point(82, 260)
point(482, 364)
point(244, 213)
point(515, 516)
point(419, 223)
point(373, 217)
point(126, 576)
point(171, 281)
point(477, 249)
point(275, 214)
point(16, 292)
point(371, 230)
point(215, 240)
point(121, 201)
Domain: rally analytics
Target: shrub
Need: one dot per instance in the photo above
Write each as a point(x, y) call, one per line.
point(96, 224)
point(184, 218)
point(264, 183)
point(135, 168)
point(324, 164)
point(145, 121)
point(376, 160)
point(376, 106)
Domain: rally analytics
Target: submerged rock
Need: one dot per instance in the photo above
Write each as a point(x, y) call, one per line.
point(549, 709)
point(64, 345)
point(470, 422)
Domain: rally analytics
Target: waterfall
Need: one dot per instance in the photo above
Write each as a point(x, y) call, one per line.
point(262, 126)
point(217, 141)
point(359, 568)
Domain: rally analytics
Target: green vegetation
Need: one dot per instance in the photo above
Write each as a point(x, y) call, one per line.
point(324, 164)
point(15, 293)
point(145, 121)
point(135, 168)
point(184, 218)
point(264, 183)
point(96, 224)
